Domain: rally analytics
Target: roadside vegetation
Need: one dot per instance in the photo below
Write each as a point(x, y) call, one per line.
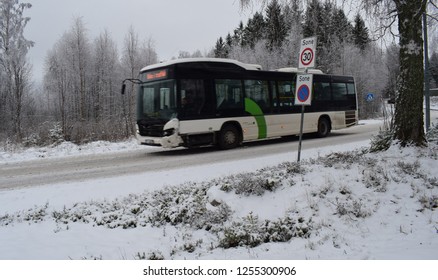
point(322, 197)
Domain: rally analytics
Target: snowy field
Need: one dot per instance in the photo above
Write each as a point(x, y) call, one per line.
point(340, 203)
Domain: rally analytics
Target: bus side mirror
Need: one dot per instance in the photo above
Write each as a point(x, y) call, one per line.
point(123, 88)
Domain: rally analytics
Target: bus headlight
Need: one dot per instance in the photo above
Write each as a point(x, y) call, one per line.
point(168, 132)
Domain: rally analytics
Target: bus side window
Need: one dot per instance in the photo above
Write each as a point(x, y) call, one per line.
point(274, 92)
point(286, 94)
point(228, 94)
point(351, 89)
point(339, 91)
point(192, 97)
point(258, 91)
point(321, 91)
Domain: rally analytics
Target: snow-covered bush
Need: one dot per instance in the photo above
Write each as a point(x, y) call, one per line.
point(429, 202)
point(251, 232)
point(154, 255)
point(249, 183)
point(352, 208)
point(382, 141)
point(432, 134)
point(375, 176)
point(186, 205)
point(56, 134)
point(32, 140)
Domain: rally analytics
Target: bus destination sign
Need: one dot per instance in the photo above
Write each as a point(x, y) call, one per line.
point(161, 74)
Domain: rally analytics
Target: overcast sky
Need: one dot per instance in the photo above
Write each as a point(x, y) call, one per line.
point(174, 25)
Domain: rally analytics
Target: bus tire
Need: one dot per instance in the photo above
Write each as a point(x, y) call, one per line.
point(324, 127)
point(229, 137)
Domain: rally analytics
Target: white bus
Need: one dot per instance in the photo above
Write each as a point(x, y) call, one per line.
point(198, 102)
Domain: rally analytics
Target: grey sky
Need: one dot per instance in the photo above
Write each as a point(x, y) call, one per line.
point(174, 25)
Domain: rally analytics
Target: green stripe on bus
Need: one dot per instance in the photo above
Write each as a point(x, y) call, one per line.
point(254, 109)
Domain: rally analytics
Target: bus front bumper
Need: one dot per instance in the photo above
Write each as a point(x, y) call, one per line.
point(171, 141)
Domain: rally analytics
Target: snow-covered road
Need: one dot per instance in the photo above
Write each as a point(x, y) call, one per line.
point(84, 167)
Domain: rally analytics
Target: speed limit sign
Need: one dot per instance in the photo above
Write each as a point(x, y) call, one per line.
point(307, 53)
point(306, 57)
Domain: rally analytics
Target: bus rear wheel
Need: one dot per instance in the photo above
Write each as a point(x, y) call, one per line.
point(229, 137)
point(324, 127)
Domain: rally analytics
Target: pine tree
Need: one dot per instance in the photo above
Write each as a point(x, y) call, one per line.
point(276, 27)
point(313, 22)
point(238, 35)
point(254, 30)
point(229, 40)
point(220, 50)
point(360, 33)
point(341, 26)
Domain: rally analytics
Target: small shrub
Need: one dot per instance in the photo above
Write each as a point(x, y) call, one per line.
point(411, 169)
point(382, 141)
point(56, 134)
point(251, 232)
point(343, 159)
point(351, 207)
point(375, 177)
point(293, 168)
point(430, 203)
point(248, 184)
point(154, 255)
point(432, 134)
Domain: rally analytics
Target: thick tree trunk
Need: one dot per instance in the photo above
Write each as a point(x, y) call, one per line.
point(408, 122)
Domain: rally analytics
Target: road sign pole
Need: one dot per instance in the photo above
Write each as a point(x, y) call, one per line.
point(301, 133)
point(301, 129)
point(304, 84)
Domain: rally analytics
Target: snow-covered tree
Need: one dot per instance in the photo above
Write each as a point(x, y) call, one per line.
point(276, 26)
point(14, 66)
point(57, 84)
point(106, 73)
point(255, 30)
point(220, 49)
point(409, 122)
point(80, 51)
point(135, 56)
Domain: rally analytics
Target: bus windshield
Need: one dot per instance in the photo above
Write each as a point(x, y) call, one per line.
point(157, 100)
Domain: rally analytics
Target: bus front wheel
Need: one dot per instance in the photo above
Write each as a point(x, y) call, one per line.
point(229, 137)
point(324, 127)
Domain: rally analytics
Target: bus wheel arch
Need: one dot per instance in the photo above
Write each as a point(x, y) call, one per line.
point(324, 126)
point(230, 136)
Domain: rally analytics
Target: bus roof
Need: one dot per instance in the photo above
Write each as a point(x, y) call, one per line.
point(296, 70)
point(191, 60)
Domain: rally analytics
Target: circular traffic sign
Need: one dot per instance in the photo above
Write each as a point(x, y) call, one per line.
point(306, 56)
point(369, 97)
point(303, 93)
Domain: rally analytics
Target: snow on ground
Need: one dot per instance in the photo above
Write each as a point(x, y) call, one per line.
point(14, 153)
point(340, 203)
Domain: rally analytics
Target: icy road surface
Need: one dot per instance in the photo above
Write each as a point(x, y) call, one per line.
point(81, 168)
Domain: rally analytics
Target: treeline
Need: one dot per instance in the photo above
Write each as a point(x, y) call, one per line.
point(281, 28)
point(272, 39)
point(79, 98)
point(82, 83)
